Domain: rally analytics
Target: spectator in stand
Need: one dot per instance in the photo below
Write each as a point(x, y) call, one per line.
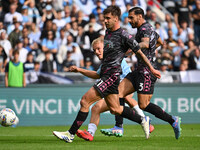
point(3, 59)
point(15, 72)
point(74, 10)
point(88, 66)
point(49, 14)
point(48, 27)
point(7, 3)
point(184, 64)
point(62, 39)
point(171, 40)
point(70, 42)
point(92, 33)
point(58, 4)
point(34, 36)
point(8, 19)
point(182, 13)
point(26, 44)
point(2, 28)
point(191, 48)
point(185, 32)
point(74, 30)
point(148, 13)
point(5, 43)
point(68, 62)
point(59, 21)
point(170, 5)
point(92, 21)
point(2, 13)
point(77, 55)
point(29, 64)
point(153, 19)
point(125, 14)
point(50, 44)
point(165, 54)
point(126, 26)
point(169, 24)
point(48, 65)
point(33, 76)
point(196, 22)
point(83, 41)
point(194, 59)
point(33, 12)
point(81, 22)
point(67, 29)
point(160, 31)
point(67, 14)
point(25, 21)
point(178, 51)
point(15, 35)
point(166, 77)
point(22, 51)
point(98, 6)
point(140, 3)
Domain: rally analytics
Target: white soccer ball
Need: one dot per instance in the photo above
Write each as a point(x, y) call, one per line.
point(8, 117)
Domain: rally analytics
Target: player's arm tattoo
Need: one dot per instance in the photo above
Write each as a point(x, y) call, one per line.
point(141, 55)
point(144, 43)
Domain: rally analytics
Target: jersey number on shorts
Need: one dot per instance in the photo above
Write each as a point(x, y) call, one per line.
point(141, 87)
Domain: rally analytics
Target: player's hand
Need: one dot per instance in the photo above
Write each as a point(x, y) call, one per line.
point(73, 69)
point(156, 73)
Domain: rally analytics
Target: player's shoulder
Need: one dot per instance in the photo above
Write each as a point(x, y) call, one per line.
point(146, 27)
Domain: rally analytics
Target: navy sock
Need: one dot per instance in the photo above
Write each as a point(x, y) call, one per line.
point(131, 115)
point(118, 118)
point(80, 118)
point(159, 113)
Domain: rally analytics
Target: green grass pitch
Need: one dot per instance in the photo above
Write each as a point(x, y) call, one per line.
point(41, 138)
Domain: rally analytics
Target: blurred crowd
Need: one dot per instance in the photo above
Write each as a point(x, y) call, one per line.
point(52, 35)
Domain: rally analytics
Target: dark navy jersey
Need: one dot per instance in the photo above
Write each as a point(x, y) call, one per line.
point(146, 30)
point(116, 43)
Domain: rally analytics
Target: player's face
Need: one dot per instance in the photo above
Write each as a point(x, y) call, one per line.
point(110, 20)
point(98, 50)
point(133, 19)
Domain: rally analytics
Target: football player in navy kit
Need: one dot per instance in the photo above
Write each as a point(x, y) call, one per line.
point(116, 43)
point(141, 79)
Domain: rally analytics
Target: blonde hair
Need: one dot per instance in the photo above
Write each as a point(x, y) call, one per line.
point(97, 40)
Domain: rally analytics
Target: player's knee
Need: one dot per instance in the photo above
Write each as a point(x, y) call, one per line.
point(114, 111)
point(84, 103)
point(142, 106)
point(95, 109)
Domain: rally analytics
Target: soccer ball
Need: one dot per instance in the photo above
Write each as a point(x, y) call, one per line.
point(8, 117)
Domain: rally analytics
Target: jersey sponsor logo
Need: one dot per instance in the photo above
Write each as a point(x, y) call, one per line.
point(108, 44)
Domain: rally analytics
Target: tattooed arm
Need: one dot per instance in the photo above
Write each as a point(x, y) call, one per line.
point(141, 55)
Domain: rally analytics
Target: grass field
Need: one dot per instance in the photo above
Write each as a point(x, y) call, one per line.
point(41, 138)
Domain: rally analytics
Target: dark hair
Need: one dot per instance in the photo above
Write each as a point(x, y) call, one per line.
point(114, 10)
point(15, 52)
point(137, 11)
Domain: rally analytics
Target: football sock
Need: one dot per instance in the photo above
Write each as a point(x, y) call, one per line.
point(92, 128)
point(131, 115)
point(80, 118)
point(138, 111)
point(159, 113)
point(118, 118)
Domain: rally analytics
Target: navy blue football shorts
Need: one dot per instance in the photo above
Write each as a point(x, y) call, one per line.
point(108, 84)
point(142, 82)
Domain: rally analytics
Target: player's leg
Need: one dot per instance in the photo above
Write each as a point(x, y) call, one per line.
point(144, 96)
point(128, 86)
point(126, 112)
point(98, 108)
point(88, 98)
